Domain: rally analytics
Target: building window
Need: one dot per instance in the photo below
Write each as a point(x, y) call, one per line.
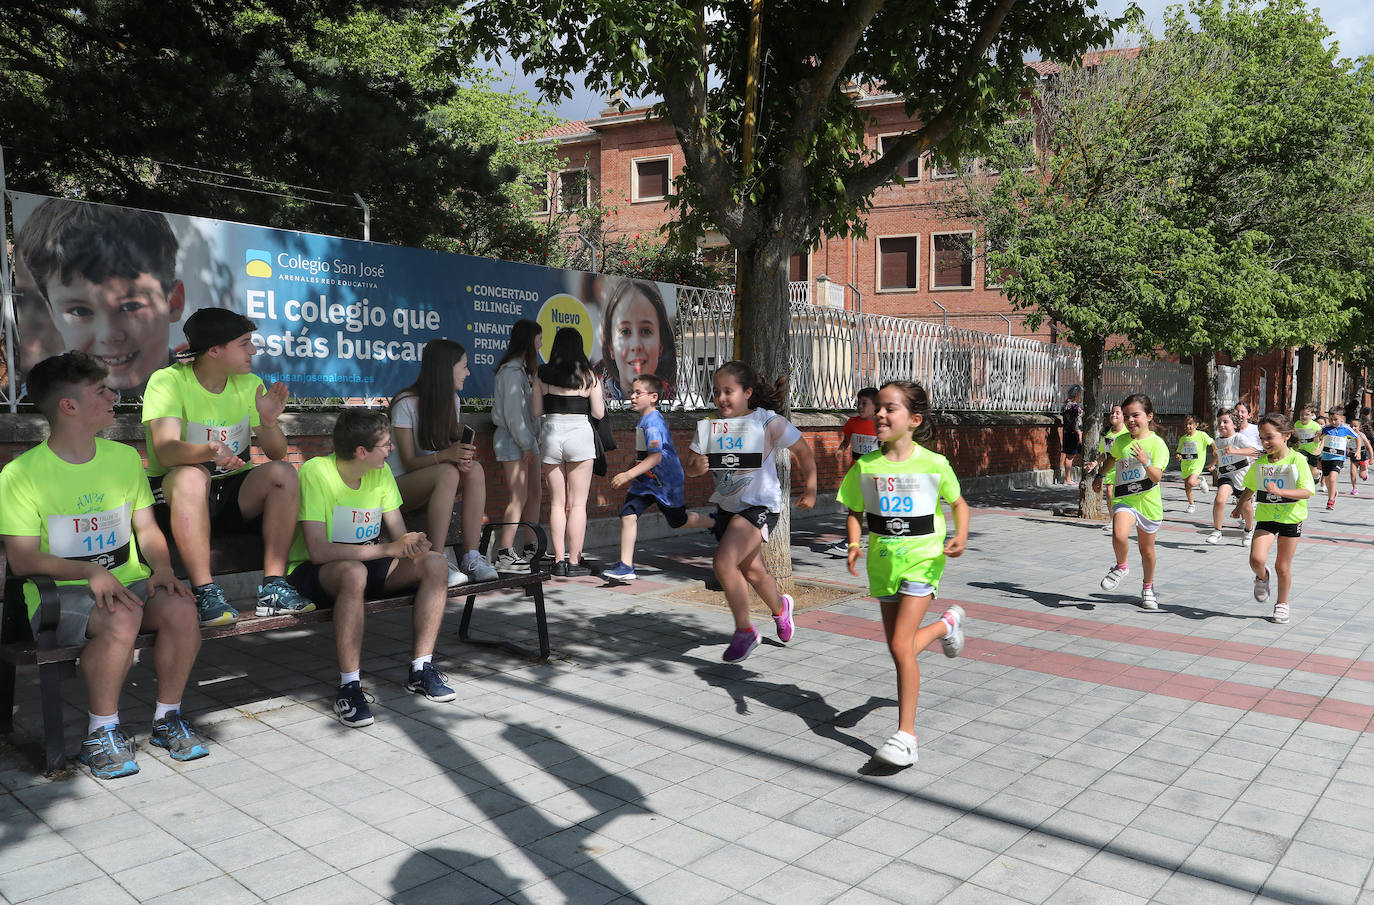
point(574, 190)
point(912, 171)
point(650, 176)
point(799, 268)
point(539, 190)
point(899, 262)
point(951, 261)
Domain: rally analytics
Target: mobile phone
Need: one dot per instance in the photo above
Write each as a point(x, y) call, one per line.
point(469, 434)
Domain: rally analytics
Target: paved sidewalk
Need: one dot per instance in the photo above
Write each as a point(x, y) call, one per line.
point(1081, 751)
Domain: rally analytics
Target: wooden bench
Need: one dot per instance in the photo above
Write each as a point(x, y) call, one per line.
point(25, 642)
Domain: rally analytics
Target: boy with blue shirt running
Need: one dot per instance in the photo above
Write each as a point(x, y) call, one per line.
point(1337, 440)
point(657, 478)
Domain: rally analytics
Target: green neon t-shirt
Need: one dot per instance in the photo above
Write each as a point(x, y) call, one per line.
point(228, 416)
point(1308, 434)
point(1104, 446)
point(1130, 472)
point(81, 511)
point(1289, 472)
point(907, 493)
point(349, 516)
point(1192, 452)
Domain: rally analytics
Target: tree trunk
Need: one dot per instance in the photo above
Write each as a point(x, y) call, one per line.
point(1213, 392)
point(1307, 362)
point(1094, 352)
point(765, 343)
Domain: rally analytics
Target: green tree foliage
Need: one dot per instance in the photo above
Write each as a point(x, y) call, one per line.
point(142, 103)
point(949, 60)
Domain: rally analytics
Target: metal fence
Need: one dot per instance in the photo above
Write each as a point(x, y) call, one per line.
point(834, 353)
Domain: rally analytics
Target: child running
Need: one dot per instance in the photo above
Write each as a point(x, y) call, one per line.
point(1308, 432)
point(1116, 427)
point(656, 479)
point(1359, 464)
point(1337, 441)
point(1233, 458)
point(1139, 458)
point(1281, 482)
point(859, 437)
point(895, 492)
point(738, 449)
point(1192, 455)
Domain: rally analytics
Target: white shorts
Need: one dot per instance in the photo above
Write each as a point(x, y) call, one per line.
point(908, 589)
point(1141, 522)
point(566, 438)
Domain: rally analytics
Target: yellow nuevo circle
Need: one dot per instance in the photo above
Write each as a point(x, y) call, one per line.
point(560, 311)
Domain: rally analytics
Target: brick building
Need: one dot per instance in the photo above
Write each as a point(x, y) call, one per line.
point(913, 263)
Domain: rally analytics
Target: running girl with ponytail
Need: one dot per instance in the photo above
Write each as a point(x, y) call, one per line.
point(738, 449)
point(1138, 457)
point(895, 492)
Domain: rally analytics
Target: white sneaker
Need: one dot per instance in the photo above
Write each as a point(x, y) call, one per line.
point(1262, 588)
point(1113, 578)
point(1192, 507)
point(456, 576)
point(899, 751)
point(1204, 488)
point(953, 641)
point(1247, 537)
point(1148, 600)
point(1214, 537)
point(1280, 616)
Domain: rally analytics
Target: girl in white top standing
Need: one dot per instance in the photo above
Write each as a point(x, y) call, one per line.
point(430, 460)
point(738, 448)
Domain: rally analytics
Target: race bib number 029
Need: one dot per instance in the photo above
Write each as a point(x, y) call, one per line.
point(733, 443)
point(355, 526)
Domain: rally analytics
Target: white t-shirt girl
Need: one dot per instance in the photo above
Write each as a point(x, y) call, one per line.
point(733, 446)
point(406, 413)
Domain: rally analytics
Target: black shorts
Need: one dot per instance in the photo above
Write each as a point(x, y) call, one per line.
point(637, 504)
point(1332, 466)
point(1313, 459)
point(225, 515)
point(761, 517)
point(1282, 529)
point(1073, 444)
point(306, 580)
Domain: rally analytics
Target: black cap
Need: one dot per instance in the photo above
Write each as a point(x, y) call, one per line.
point(211, 327)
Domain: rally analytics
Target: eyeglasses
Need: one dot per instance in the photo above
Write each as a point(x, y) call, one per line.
point(639, 392)
point(388, 445)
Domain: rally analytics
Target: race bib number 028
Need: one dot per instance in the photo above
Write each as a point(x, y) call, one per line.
point(355, 526)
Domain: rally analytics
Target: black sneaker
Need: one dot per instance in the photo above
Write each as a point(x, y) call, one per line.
point(351, 705)
point(428, 681)
point(577, 569)
point(560, 569)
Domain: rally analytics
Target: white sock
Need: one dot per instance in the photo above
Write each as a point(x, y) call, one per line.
point(94, 721)
point(354, 676)
point(419, 662)
point(164, 709)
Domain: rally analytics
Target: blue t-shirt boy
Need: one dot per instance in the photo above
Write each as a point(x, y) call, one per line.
point(1336, 452)
point(666, 481)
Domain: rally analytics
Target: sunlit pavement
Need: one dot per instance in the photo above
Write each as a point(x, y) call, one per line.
point(1081, 750)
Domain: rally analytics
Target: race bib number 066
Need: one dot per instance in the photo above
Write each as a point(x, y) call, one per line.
point(355, 526)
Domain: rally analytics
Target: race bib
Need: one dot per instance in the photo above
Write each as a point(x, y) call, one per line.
point(1284, 476)
point(237, 437)
point(1305, 435)
point(1231, 461)
point(734, 443)
point(1130, 470)
point(901, 505)
point(98, 537)
point(862, 444)
point(641, 445)
point(355, 526)
point(1187, 450)
point(1334, 445)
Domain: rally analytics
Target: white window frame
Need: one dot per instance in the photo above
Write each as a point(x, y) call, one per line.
point(878, 263)
point(635, 196)
point(919, 160)
point(973, 260)
point(587, 186)
point(807, 256)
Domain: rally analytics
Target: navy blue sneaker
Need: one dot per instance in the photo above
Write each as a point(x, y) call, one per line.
point(351, 705)
point(618, 571)
point(180, 739)
point(428, 681)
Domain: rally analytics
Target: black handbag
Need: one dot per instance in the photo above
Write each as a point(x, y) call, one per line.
point(604, 438)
